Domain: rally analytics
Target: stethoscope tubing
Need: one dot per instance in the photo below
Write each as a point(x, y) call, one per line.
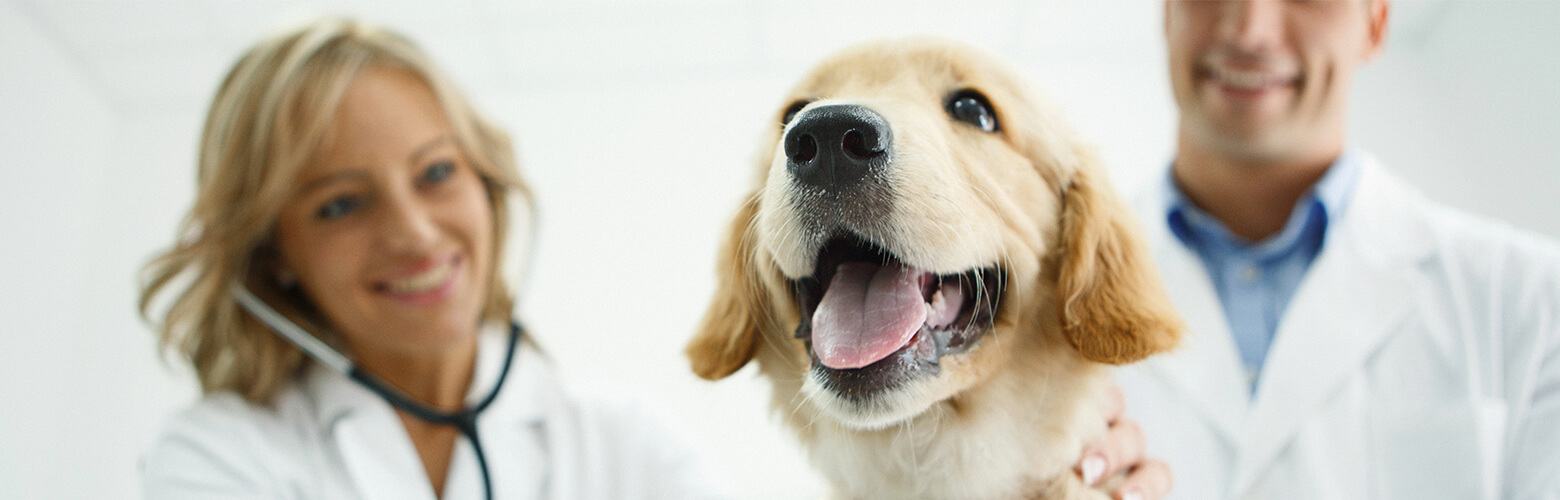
point(463, 420)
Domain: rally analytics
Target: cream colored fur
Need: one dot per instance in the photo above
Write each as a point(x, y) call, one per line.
point(1008, 418)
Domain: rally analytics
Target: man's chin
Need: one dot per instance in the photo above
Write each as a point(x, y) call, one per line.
point(1255, 138)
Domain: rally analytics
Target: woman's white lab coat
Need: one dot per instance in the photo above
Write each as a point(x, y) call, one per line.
point(1419, 358)
point(329, 438)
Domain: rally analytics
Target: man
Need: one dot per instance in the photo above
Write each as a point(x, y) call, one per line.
point(1347, 337)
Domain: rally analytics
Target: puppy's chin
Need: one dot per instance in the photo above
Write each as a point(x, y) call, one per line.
point(888, 392)
point(875, 412)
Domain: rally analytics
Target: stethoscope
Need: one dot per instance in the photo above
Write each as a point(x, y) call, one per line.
point(464, 420)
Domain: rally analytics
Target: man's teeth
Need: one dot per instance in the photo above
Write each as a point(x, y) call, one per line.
point(426, 281)
point(1248, 80)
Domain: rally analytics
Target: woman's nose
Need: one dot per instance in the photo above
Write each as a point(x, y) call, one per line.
point(407, 224)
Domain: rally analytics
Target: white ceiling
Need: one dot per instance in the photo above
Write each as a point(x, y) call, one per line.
point(149, 55)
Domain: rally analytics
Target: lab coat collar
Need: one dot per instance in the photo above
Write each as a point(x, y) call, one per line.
point(1205, 368)
point(380, 456)
point(1355, 295)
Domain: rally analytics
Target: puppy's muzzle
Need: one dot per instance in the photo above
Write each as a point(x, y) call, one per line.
point(835, 147)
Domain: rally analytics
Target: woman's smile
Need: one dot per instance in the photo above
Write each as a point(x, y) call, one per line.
point(429, 282)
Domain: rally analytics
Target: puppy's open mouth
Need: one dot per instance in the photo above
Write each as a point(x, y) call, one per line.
point(871, 322)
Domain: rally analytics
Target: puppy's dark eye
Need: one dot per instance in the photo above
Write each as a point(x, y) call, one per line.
point(791, 111)
point(971, 107)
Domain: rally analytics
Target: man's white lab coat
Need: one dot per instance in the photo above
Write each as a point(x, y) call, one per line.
point(1419, 358)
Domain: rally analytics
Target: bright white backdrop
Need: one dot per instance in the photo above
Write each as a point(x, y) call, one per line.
point(636, 123)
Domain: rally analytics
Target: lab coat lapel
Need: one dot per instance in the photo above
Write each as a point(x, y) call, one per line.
point(1205, 367)
point(1356, 294)
point(383, 462)
point(510, 428)
point(374, 448)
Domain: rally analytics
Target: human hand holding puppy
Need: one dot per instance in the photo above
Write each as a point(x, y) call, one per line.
point(1119, 459)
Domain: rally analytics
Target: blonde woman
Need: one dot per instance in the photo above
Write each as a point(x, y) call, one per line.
point(349, 195)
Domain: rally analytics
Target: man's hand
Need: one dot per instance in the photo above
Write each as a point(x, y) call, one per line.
point(1122, 450)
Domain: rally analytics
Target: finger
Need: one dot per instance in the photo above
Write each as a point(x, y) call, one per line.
point(1122, 448)
point(1150, 480)
point(1115, 404)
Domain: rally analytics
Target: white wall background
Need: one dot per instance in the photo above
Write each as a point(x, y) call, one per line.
point(636, 122)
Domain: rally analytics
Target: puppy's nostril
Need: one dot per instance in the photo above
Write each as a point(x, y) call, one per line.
point(806, 149)
point(855, 145)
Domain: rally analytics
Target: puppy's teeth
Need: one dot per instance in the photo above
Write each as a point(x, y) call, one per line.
point(937, 314)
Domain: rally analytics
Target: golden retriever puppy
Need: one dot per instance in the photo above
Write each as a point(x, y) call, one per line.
point(932, 273)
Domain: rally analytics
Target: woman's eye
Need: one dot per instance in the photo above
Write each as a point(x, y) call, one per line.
point(337, 208)
point(972, 108)
point(438, 172)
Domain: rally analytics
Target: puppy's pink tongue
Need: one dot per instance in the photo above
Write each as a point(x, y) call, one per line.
point(869, 312)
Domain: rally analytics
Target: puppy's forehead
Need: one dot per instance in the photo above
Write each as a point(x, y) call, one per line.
point(924, 65)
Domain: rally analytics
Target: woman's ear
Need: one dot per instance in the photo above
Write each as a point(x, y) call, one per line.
point(1112, 304)
point(729, 333)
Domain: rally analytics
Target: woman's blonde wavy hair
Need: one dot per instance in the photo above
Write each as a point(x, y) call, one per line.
point(271, 113)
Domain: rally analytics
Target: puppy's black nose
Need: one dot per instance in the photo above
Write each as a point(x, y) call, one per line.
point(835, 146)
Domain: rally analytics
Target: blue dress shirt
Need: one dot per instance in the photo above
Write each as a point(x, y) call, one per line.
point(1255, 280)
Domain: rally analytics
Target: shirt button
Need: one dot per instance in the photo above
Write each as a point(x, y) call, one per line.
point(1250, 273)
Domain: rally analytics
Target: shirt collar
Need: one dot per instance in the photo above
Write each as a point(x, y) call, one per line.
point(1333, 190)
point(1329, 196)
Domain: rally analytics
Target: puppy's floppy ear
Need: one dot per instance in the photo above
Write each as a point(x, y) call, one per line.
point(729, 333)
point(1112, 304)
